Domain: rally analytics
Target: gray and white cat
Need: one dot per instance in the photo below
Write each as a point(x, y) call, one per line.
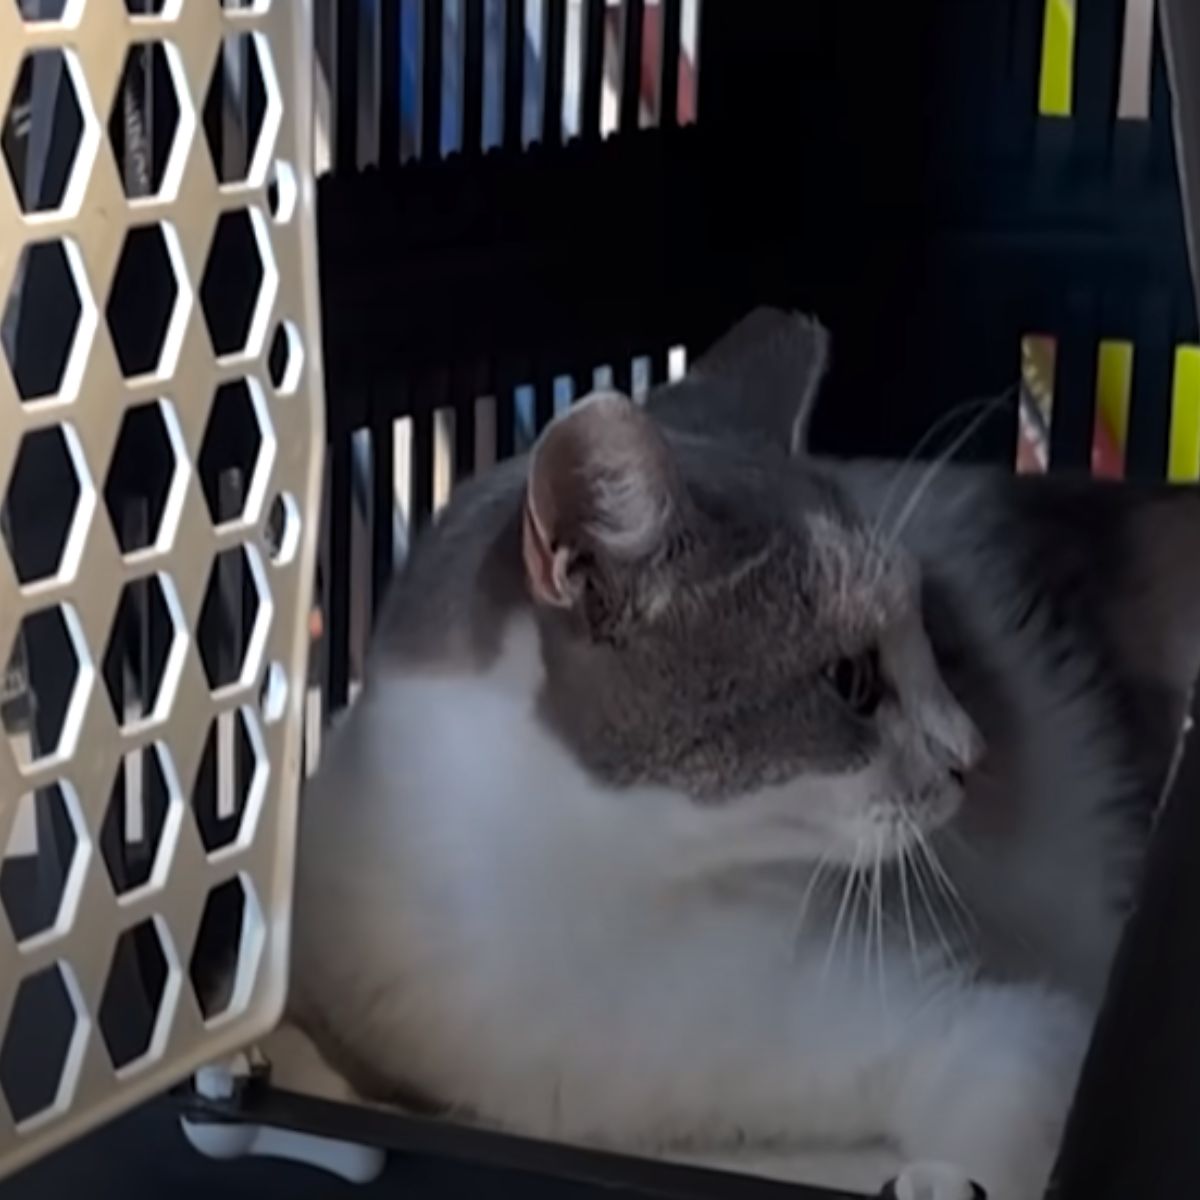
point(710, 799)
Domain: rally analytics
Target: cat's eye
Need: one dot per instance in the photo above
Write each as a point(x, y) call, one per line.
point(858, 681)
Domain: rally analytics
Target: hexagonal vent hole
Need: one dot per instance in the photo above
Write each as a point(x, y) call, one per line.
point(139, 650)
point(229, 781)
point(43, 108)
point(286, 357)
point(44, 848)
point(272, 696)
point(282, 529)
point(228, 617)
point(144, 121)
point(228, 946)
point(235, 108)
point(142, 301)
point(135, 822)
point(35, 1056)
point(282, 193)
point(132, 1001)
point(40, 505)
point(41, 319)
point(230, 451)
point(42, 10)
point(145, 8)
point(41, 681)
point(233, 278)
point(143, 468)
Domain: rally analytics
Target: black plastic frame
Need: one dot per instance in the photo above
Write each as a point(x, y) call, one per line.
point(515, 1157)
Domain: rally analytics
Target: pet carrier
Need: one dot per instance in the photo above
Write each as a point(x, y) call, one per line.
point(516, 199)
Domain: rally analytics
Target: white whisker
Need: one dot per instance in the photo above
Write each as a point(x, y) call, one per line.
point(810, 892)
point(956, 905)
point(935, 468)
point(861, 892)
point(877, 882)
point(847, 888)
point(985, 403)
point(906, 903)
point(930, 907)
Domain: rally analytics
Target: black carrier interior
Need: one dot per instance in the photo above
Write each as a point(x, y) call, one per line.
point(884, 166)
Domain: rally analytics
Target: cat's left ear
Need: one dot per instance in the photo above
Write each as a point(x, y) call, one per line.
point(758, 384)
point(603, 492)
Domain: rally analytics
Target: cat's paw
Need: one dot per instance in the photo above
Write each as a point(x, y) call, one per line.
point(932, 1181)
point(992, 1091)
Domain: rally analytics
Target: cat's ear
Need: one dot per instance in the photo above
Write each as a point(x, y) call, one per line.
point(758, 384)
point(602, 488)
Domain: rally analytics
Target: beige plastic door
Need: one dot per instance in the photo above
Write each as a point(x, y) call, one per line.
point(161, 429)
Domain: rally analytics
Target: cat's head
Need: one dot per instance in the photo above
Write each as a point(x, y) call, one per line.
point(724, 626)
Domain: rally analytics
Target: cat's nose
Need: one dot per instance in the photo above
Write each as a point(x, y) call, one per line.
point(971, 746)
point(957, 744)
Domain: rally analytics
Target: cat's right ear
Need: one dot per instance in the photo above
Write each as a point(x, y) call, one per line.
point(758, 384)
point(602, 491)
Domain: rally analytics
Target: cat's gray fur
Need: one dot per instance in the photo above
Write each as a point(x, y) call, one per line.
point(1064, 617)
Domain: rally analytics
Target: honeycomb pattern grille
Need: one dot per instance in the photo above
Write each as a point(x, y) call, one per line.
point(160, 457)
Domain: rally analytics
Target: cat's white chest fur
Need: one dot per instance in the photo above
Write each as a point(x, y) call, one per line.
point(485, 924)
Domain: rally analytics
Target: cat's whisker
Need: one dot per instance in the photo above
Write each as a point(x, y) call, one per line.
point(953, 908)
point(861, 893)
point(906, 904)
point(926, 900)
point(905, 468)
point(810, 892)
point(962, 846)
point(878, 897)
point(947, 885)
point(847, 888)
point(935, 468)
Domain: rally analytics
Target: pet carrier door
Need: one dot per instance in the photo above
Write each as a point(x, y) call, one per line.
point(160, 454)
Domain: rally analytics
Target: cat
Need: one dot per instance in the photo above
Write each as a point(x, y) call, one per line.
point(715, 801)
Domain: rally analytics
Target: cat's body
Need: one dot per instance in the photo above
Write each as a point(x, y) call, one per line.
point(493, 917)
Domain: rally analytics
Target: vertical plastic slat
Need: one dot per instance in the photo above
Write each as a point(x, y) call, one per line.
point(345, 147)
point(593, 68)
point(389, 83)
point(1150, 404)
point(631, 64)
point(659, 366)
point(1098, 40)
point(432, 20)
point(543, 404)
point(338, 581)
point(514, 71)
point(554, 48)
point(1184, 462)
point(506, 434)
point(623, 373)
point(671, 19)
point(1024, 68)
point(1162, 128)
point(472, 90)
point(422, 458)
point(383, 469)
point(466, 390)
point(1074, 413)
